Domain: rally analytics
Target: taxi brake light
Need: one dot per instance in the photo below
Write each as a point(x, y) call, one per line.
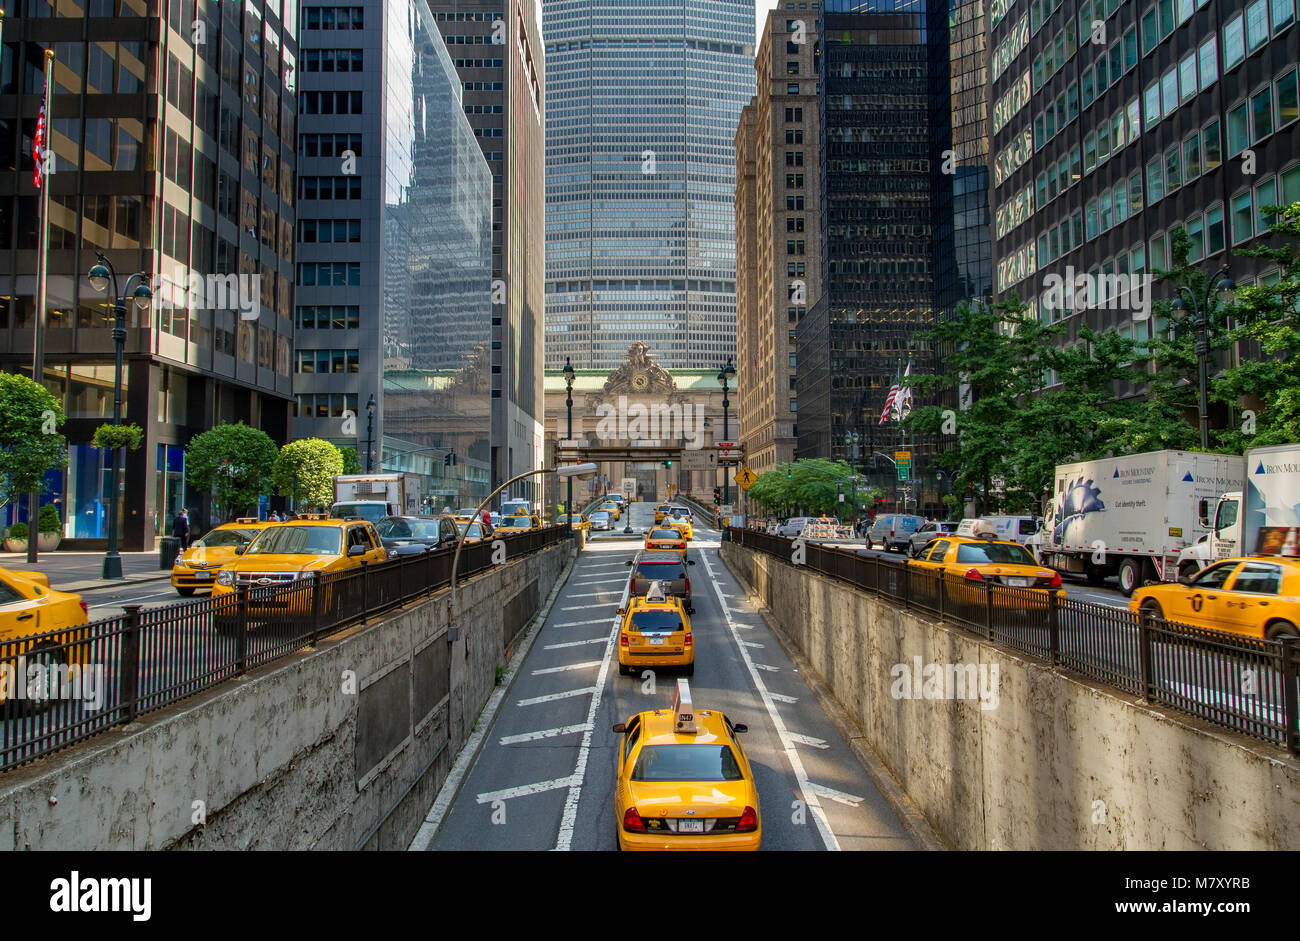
point(975, 575)
point(632, 821)
point(1056, 580)
point(688, 640)
point(85, 608)
point(748, 821)
point(622, 640)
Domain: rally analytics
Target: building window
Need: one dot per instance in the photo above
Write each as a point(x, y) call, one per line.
point(1214, 237)
point(1234, 42)
point(1238, 130)
point(1211, 148)
point(1243, 218)
point(1261, 113)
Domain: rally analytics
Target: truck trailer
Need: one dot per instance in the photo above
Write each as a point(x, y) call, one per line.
point(1131, 516)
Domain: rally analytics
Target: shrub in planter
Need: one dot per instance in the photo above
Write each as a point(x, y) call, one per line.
point(47, 521)
point(16, 541)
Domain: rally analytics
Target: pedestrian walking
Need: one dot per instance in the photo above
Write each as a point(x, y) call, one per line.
point(181, 527)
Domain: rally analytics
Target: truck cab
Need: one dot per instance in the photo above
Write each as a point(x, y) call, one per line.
point(1225, 534)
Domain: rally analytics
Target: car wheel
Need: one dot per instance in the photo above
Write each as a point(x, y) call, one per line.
point(185, 592)
point(1130, 576)
point(1152, 607)
point(1281, 629)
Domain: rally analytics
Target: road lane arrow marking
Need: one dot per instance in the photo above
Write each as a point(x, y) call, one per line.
point(852, 800)
point(809, 740)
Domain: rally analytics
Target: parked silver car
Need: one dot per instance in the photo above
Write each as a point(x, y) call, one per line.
point(599, 519)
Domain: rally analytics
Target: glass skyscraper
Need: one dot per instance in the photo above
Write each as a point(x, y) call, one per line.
point(643, 99)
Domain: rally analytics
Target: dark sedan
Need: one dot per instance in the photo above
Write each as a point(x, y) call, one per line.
point(412, 535)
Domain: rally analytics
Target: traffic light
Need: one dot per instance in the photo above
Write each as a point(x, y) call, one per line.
point(788, 472)
point(668, 463)
point(449, 459)
point(717, 496)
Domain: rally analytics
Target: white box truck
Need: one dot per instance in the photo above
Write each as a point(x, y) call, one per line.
point(1131, 516)
point(1269, 521)
point(374, 496)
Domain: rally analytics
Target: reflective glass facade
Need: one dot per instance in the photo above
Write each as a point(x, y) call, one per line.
point(643, 100)
point(395, 253)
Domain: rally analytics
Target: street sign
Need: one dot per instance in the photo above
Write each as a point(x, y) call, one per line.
point(903, 458)
point(902, 472)
point(700, 460)
point(569, 444)
point(745, 477)
point(629, 487)
point(727, 509)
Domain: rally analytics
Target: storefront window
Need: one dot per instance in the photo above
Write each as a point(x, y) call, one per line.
point(88, 471)
point(169, 494)
point(91, 391)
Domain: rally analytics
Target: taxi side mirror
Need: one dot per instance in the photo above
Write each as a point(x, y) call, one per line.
point(628, 562)
point(239, 550)
point(356, 550)
point(620, 728)
point(739, 727)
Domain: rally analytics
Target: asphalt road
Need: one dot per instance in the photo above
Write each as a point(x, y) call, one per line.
point(544, 778)
point(107, 602)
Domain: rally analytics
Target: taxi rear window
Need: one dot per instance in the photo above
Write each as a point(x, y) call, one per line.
point(994, 552)
point(662, 570)
point(686, 763)
point(665, 534)
point(655, 621)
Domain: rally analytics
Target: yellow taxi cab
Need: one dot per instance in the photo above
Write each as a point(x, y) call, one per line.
point(1255, 596)
point(662, 510)
point(665, 537)
point(656, 632)
point(969, 563)
point(576, 521)
point(29, 607)
point(518, 523)
point(197, 566)
point(612, 508)
point(684, 781)
point(682, 523)
point(288, 552)
point(475, 531)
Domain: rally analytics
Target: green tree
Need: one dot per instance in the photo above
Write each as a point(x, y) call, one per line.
point(309, 465)
point(994, 358)
point(1079, 417)
point(351, 460)
point(30, 442)
point(813, 485)
point(1267, 318)
point(233, 462)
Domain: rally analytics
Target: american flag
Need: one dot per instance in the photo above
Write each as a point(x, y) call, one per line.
point(903, 401)
point(888, 407)
point(38, 149)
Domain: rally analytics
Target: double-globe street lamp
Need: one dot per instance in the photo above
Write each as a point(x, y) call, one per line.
point(726, 373)
point(1223, 286)
point(568, 405)
point(101, 277)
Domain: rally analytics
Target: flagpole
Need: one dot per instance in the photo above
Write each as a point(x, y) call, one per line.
point(42, 259)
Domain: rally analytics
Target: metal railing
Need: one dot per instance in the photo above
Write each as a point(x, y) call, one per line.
point(63, 686)
point(1244, 684)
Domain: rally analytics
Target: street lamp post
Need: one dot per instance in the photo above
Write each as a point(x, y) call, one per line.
point(568, 405)
point(725, 374)
point(101, 277)
point(370, 433)
point(1223, 286)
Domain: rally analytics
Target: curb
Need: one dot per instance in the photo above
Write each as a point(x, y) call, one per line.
point(909, 815)
point(99, 585)
point(469, 752)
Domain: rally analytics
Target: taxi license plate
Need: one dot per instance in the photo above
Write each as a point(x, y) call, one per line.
point(1018, 582)
point(202, 576)
point(654, 641)
point(690, 826)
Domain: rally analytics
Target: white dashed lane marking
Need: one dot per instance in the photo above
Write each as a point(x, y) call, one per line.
point(552, 697)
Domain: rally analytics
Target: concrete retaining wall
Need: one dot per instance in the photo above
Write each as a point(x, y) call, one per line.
point(340, 747)
point(1058, 763)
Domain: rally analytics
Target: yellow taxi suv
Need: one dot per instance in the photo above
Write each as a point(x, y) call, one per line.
point(969, 563)
point(575, 521)
point(287, 552)
point(656, 632)
point(1257, 596)
point(29, 607)
point(683, 524)
point(665, 537)
point(521, 523)
point(197, 566)
point(662, 510)
point(684, 781)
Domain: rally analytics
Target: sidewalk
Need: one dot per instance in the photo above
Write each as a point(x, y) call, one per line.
point(79, 571)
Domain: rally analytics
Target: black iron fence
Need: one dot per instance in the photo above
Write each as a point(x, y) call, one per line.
point(1245, 684)
point(63, 686)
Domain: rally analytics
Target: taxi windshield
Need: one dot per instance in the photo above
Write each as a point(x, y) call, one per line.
point(994, 552)
point(643, 621)
point(225, 538)
point(297, 540)
point(475, 530)
point(515, 522)
point(686, 763)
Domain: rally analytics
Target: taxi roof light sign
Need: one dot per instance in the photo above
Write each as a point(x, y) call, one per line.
point(683, 710)
point(656, 592)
